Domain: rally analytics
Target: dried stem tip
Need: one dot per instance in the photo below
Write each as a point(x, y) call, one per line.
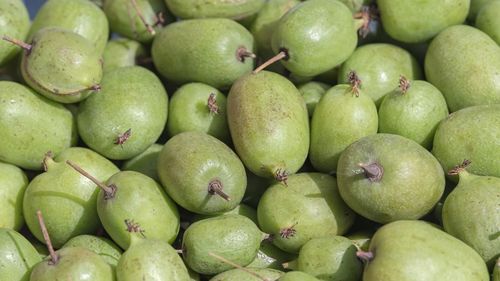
point(213, 107)
point(242, 53)
point(141, 16)
point(17, 42)
point(134, 227)
point(108, 190)
point(281, 175)
point(459, 168)
point(283, 54)
point(355, 82)
point(215, 187)
point(288, 232)
point(366, 257)
point(54, 258)
point(404, 84)
point(122, 138)
point(373, 171)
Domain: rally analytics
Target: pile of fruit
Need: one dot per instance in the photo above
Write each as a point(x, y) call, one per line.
point(250, 140)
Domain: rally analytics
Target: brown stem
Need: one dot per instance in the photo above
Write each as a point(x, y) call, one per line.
point(215, 187)
point(47, 159)
point(288, 232)
point(283, 54)
point(96, 87)
point(213, 107)
point(355, 82)
point(404, 84)
point(281, 175)
point(224, 260)
point(54, 258)
point(138, 11)
point(366, 257)
point(109, 191)
point(122, 138)
point(459, 168)
point(134, 227)
point(242, 53)
point(373, 171)
point(17, 42)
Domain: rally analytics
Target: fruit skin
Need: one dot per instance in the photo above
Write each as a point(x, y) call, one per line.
point(270, 256)
point(104, 247)
point(190, 161)
point(122, 52)
point(14, 23)
point(269, 124)
point(310, 205)
point(470, 213)
point(312, 92)
point(488, 21)
point(31, 126)
point(17, 256)
point(80, 16)
point(13, 182)
point(233, 237)
point(403, 23)
point(211, 59)
point(131, 98)
point(451, 63)
point(418, 251)
point(471, 133)
point(146, 162)
point(475, 7)
point(496, 271)
point(297, 276)
point(240, 275)
point(414, 114)
point(411, 183)
point(317, 34)
point(188, 9)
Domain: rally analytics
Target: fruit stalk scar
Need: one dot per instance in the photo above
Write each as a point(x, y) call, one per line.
point(283, 54)
point(213, 107)
point(134, 227)
point(54, 258)
point(281, 175)
point(373, 171)
point(365, 257)
point(288, 232)
point(355, 82)
point(122, 138)
point(459, 168)
point(109, 191)
point(365, 17)
point(404, 84)
point(215, 187)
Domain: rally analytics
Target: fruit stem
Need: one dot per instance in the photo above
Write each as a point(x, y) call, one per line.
point(138, 11)
point(283, 54)
point(213, 107)
point(108, 190)
point(355, 82)
point(281, 175)
point(459, 168)
point(54, 258)
point(365, 257)
point(215, 187)
point(47, 160)
point(373, 171)
point(242, 53)
point(18, 42)
point(224, 260)
point(134, 227)
point(404, 84)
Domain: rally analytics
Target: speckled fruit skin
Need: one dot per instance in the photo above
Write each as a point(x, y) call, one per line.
point(488, 20)
point(14, 23)
point(189, 9)
point(403, 19)
point(269, 123)
point(13, 182)
point(464, 64)
point(102, 246)
point(17, 256)
point(411, 184)
point(240, 275)
point(122, 52)
point(471, 133)
point(417, 250)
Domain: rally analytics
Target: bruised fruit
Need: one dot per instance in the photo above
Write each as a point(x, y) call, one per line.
point(13, 183)
point(248, 274)
point(488, 21)
point(14, 23)
point(17, 256)
point(104, 247)
point(146, 162)
point(188, 9)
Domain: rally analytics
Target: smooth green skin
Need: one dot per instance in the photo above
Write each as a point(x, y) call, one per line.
point(470, 213)
point(141, 199)
point(152, 260)
point(17, 256)
point(203, 50)
point(75, 264)
point(189, 9)
point(14, 23)
point(496, 271)
point(329, 258)
point(122, 52)
point(297, 276)
point(379, 66)
point(355, 5)
point(270, 256)
point(66, 198)
point(233, 237)
point(124, 20)
point(451, 64)
point(31, 125)
point(269, 124)
point(403, 23)
point(312, 92)
point(62, 65)
point(418, 251)
point(188, 163)
point(189, 111)
point(146, 162)
point(310, 203)
point(81, 16)
point(340, 118)
point(317, 34)
point(411, 184)
point(361, 239)
point(131, 98)
point(241, 209)
point(265, 23)
point(471, 133)
point(13, 183)
point(241, 275)
point(488, 21)
point(475, 7)
point(414, 114)
point(104, 247)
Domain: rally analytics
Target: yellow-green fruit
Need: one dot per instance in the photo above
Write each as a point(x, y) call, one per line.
point(244, 275)
point(17, 256)
point(14, 23)
point(488, 20)
point(13, 183)
point(189, 9)
point(122, 52)
point(102, 246)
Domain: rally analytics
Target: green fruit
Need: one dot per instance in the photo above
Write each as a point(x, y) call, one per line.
point(14, 23)
point(104, 247)
point(127, 116)
point(13, 183)
point(31, 125)
point(475, 7)
point(470, 213)
point(312, 93)
point(249, 274)
point(403, 20)
point(417, 250)
point(451, 64)
point(198, 107)
point(379, 66)
point(122, 52)
point(414, 111)
point(241, 209)
point(496, 271)
point(17, 256)
point(488, 21)
point(342, 116)
point(297, 276)
point(270, 256)
point(212, 51)
point(188, 9)
point(361, 239)
point(79, 16)
point(269, 124)
point(201, 173)
point(315, 36)
point(308, 207)
point(232, 237)
point(146, 162)
point(67, 200)
point(471, 133)
point(387, 177)
point(355, 5)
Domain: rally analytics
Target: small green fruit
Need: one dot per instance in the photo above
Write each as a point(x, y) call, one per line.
point(488, 21)
point(14, 23)
point(104, 247)
point(312, 92)
point(188, 9)
point(249, 274)
point(146, 162)
point(13, 182)
point(17, 256)
point(122, 52)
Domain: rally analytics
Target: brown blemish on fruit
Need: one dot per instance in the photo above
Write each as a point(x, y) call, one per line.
point(213, 107)
point(122, 138)
point(355, 82)
point(459, 168)
point(288, 232)
point(373, 171)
